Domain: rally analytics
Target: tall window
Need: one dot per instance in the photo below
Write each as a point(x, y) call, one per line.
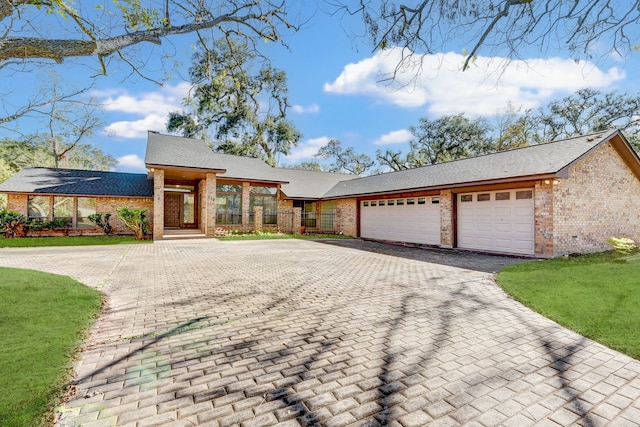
point(39, 207)
point(63, 209)
point(228, 204)
point(86, 207)
point(267, 197)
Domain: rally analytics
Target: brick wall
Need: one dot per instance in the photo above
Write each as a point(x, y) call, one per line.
point(347, 216)
point(18, 203)
point(600, 199)
point(109, 205)
point(446, 218)
point(543, 218)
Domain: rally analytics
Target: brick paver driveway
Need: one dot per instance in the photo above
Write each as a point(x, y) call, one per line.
point(293, 332)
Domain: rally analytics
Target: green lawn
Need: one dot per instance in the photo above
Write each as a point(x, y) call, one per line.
point(26, 242)
point(595, 295)
point(43, 318)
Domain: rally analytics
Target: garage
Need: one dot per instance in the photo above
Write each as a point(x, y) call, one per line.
point(411, 220)
point(497, 221)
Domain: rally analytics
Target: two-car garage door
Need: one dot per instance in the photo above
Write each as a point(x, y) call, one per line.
point(499, 221)
point(412, 220)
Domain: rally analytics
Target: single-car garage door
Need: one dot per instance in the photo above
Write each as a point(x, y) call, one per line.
point(499, 221)
point(411, 220)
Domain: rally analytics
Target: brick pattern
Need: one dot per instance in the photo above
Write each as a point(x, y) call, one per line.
point(209, 205)
point(158, 203)
point(18, 203)
point(600, 199)
point(346, 216)
point(543, 218)
point(299, 333)
point(446, 218)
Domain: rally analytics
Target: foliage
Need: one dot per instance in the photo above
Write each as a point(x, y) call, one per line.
point(595, 295)
point(345, 160)
point(135, 220)
point(306, 166)
point(29, 242)
point(262, 235)
point(503, 26)
point(12, 224)
point(54, 224)
point(623, 245)
point(43, 320)
point(102, 222)
point(245, 109)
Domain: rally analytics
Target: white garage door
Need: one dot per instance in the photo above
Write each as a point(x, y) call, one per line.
point(411, 220)
point(499, 221)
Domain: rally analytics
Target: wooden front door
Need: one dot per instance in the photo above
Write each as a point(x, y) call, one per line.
point(172, 209)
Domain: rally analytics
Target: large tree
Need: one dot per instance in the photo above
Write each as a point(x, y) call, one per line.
point(241, 102)
point(345, 160)
point(505, 27)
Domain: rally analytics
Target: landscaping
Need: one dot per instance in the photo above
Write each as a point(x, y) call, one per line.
point(595, 295)
point(269, 236)
point(43, 318)
point(27, 242)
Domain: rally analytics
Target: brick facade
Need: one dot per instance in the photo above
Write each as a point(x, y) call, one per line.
point(600, 199)
point(347, 216)
point(447, 231)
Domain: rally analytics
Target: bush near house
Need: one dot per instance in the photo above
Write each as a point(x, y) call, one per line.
point(12, 224)
point(135, 219)
point(102, 222)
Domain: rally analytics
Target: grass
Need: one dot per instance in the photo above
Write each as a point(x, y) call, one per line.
point(596, 295)
point(28, 242)
point(270, 236)
point(43, 318)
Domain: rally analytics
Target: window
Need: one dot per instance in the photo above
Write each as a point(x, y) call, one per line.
point(522, 195)
point(189, 210)
point(421, 200)
point(374, 203)
point(400, 202)
point(484, 197)
point(63, 209)
point(466, 198)
point(381, 203)
point(435, 200)
point(86, 206)
point(411, 201)
point(365, 204)
point(39, 207)
point(391, 202)
point(503, 196)
point(266, 197)
point(228, 204)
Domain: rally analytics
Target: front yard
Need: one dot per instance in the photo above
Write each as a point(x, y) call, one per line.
point(596, 295)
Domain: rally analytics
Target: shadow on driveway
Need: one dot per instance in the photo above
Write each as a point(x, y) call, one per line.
point(455, 258)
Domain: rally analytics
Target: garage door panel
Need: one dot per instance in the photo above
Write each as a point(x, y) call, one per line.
point(505, 225)
point(413, 223)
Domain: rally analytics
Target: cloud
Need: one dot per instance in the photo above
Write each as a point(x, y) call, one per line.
point(300, 109)
point(131, 163)
point(437, 81)
point(394, 137)
point(306, 150)
point(149, 110)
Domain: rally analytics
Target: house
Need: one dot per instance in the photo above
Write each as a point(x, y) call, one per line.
point(567, 196)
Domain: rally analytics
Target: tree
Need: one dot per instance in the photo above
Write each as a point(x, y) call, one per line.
point(427, 26)
point(112, 27)
point(345, 160)
point(306, 166)
point(245, 109)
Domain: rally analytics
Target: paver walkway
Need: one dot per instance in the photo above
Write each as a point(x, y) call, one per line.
point(292, 332)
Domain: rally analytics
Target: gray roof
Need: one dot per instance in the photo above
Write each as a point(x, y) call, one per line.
point(78, 182)
point(543, 159)
point(168, 150)
point(309, 184)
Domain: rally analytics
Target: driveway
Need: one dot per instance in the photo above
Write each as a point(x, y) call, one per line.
point(290, 332)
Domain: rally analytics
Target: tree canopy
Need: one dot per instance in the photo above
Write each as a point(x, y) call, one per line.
point(345, 160)
point(584, 27)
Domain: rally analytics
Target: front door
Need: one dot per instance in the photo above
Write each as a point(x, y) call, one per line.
point(172, 203)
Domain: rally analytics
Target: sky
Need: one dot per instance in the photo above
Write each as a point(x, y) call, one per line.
point(336, 92)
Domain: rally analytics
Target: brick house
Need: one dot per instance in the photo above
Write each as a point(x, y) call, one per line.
point(545, 200)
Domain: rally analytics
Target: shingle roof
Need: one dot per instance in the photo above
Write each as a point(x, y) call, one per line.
point(78, 182)
point(168, 150)
point(309, 184)
point(549, 158)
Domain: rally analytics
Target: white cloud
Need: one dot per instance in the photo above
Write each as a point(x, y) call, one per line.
point(394, 137)
point(131, 163)
point(300, 109)
point(439, 83)
point(150, 110)
point(306, 150)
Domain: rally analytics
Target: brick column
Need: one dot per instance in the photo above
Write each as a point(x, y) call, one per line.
point(210, 205)
point(446, 218)
point(158, 204)
point(257, 218)
point(543, 215)
point(297, 220)
point(246, 205)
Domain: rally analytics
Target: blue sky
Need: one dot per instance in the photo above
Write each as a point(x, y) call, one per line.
point(335, 90)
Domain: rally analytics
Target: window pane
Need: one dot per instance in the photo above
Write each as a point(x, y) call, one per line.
point(502, 196)
point(264, 190)
point(381, 203)
point(400, 202)
point(391, 202)
point(63, 207)
point(38, 207)
point(466, 198)
point(189, 209)
point(421, 200)
point(411, 202)
point(435, 200)
point(227, 188)
point(527, 194)
point(365, 204)
point(86, 207)
point(484, 197)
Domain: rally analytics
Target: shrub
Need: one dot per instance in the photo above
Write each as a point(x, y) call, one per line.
point(135, 219)
point(12, 224)
point(102, 222)
point(623, 245)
